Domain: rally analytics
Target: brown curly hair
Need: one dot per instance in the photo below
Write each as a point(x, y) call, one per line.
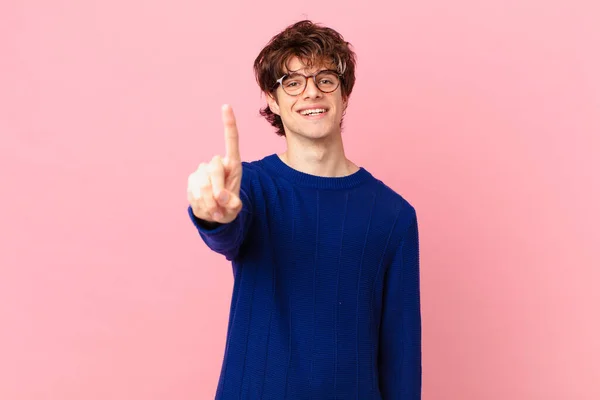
point(314, 45)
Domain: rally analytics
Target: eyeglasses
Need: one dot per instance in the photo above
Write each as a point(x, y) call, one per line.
point(294, 84)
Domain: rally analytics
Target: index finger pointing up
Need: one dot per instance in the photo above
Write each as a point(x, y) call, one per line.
point(232, 146)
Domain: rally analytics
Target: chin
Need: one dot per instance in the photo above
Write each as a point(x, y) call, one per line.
point(312, 131)
point(316, 134)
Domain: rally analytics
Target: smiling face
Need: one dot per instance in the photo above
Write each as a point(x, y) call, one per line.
point(312, 114)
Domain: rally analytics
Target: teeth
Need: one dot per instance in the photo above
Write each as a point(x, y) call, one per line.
point(313, 111)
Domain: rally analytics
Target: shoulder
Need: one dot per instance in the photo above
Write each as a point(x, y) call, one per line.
point(392, 196)
point(395, 204)
point(258, 166)
point(256, 176)
point(254, 171)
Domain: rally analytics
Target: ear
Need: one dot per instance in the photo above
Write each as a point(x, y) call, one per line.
point(272, 101)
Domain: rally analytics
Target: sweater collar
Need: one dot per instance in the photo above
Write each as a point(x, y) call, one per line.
point(275, 164)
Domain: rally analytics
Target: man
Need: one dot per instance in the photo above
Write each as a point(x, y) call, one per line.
point(325, 257)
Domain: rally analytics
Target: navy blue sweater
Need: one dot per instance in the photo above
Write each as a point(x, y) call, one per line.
point(325, 300)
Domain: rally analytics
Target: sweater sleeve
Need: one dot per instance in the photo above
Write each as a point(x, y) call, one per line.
point(226, 239)
point(400, 331)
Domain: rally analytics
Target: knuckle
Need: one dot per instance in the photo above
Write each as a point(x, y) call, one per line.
point(207, 195)
point(198, 173)
point(210, 209)
point(198, 183)
point(216, 165)
point(205, 185)
point(202, 180)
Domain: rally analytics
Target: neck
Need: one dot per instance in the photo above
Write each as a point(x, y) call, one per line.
point(324, 158)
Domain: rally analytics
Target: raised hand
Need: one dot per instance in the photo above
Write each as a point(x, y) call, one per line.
point(214, 188)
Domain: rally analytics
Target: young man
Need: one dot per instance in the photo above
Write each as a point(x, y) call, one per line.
point(325, 257)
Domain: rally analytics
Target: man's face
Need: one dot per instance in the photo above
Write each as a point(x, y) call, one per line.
point(293, 109)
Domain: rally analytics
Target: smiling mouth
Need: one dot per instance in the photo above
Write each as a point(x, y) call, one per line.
point(313, 112)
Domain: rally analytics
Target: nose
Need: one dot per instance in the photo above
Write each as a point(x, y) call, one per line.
point(311, 90)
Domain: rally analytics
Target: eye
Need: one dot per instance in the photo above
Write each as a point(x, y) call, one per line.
point(327, 79)
point(293, 81)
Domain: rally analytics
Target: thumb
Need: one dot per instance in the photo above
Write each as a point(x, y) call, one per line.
point(228, 200)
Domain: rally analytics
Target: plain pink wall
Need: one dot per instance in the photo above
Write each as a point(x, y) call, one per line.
point(484, 115)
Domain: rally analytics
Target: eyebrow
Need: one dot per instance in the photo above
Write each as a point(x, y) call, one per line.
point(296, 71)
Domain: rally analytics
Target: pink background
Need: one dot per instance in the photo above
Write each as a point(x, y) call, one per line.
point(484, 115)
